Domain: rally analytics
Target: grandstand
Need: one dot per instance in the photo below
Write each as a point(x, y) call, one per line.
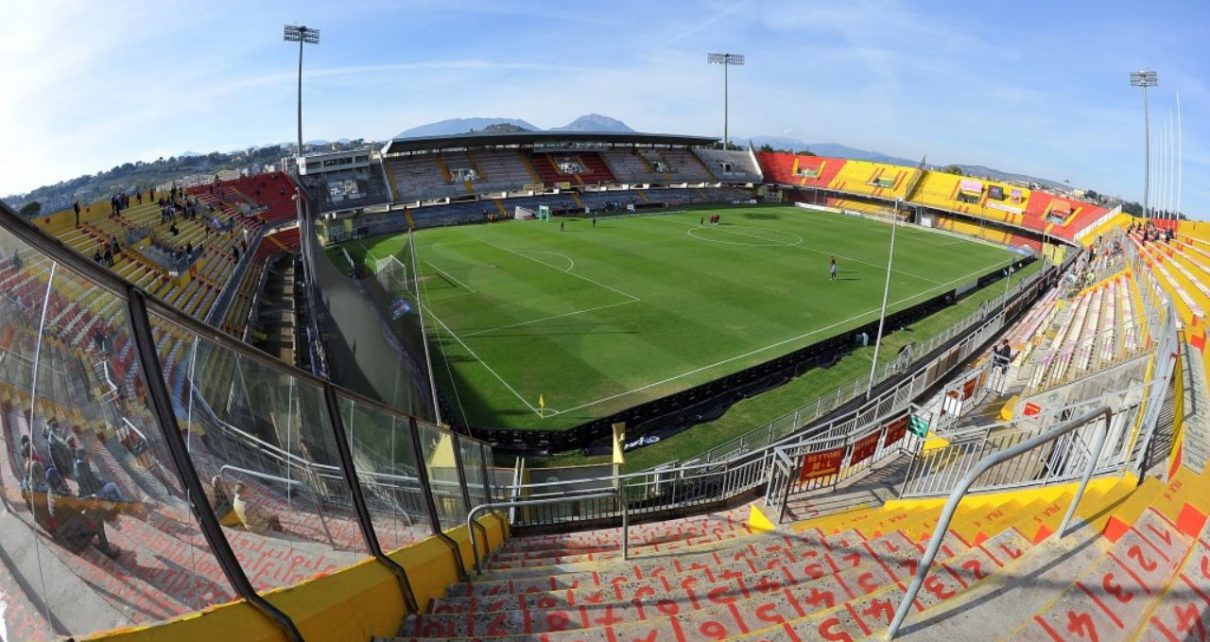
point(241, 496)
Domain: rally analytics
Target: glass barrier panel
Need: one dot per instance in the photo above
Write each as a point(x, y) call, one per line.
point(261, 440)
point(472, 465)
point(438, 448)
point(97, 527)
point(381, 443)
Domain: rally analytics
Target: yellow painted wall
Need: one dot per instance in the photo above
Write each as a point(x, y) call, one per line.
point(354, 603)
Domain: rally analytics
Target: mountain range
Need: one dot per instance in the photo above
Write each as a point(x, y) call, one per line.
point(455, 126)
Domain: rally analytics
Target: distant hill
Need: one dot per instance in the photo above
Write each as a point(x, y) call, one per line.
point(452, 126)
point(502, 128)
point(455, 126)
point(140, 175)
point(594, 123)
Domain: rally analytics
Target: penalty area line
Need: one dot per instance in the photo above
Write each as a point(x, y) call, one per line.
point(485, 365)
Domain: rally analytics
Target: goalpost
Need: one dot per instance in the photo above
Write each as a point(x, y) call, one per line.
point(395, 277)
point(528, 214)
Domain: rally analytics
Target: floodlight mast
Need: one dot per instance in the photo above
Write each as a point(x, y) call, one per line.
point(1145, 79)
point(726, 60)
point(303, 35)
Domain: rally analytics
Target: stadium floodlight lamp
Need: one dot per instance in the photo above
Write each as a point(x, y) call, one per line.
point(727, 60)
point(1145, 79)
point(301, 33)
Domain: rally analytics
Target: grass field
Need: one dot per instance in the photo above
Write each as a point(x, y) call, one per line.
point(593, 320)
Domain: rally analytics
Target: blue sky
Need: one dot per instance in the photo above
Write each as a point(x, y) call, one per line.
point(1026, 86)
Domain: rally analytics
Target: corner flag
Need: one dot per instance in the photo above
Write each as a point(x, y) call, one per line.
point(541, 402)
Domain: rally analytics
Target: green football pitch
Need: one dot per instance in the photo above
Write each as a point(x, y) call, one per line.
point(545, 325)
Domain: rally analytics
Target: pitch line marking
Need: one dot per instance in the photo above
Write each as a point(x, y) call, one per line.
point(578, 276)
point(571, 263)
point(549, 318)
point(768, 347)
point(451, 277)
point(480, 360)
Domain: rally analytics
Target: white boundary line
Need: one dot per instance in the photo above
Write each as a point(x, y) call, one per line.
point(570, 261)
point(480, 360)
point(450, 277)
point(768, 347)
point(578, 276)
point(549, 318)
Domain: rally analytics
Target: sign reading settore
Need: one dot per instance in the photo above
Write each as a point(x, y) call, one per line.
point(821, 464)
point(895, 431)
point(864, 448)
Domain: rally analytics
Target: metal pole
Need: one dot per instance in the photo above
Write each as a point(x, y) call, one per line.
point(726, 92)
point(886, 289)
point(1180, 158)
point(300, 57)
point(1146, 157)
point(625, 522)
point(956, 495)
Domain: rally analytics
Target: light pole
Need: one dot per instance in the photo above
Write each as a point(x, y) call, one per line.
point(303, 35)
point(727, 60)
point(886, 290)
point(1145, 79)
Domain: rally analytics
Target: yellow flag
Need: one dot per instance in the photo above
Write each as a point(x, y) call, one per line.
point(541, 402)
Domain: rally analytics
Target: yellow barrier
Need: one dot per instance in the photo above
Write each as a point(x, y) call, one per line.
point(358, 602)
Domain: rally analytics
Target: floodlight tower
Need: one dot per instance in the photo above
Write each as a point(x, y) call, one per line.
point(303, 35)
point(726, 60)
point(1145, 79)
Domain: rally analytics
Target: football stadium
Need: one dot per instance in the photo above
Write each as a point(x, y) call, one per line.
point(511, 384)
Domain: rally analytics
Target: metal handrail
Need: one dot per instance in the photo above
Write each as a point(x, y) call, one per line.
point(512, 503)
point(951, 505)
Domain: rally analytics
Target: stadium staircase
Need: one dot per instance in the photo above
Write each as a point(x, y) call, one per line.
point(1003, 573)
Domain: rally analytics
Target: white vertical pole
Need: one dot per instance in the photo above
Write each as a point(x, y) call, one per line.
point(886, 289)
point(1146, 157)
point(1180, 158)
point(1171, 167)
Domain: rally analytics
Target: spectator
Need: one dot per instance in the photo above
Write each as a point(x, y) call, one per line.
point(60, 452)
point(91, 485)
point(76, 206)
point(73, 525)
point(255, 518)
point(224, 510)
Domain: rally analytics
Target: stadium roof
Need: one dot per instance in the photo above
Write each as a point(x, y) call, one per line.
point(482, 139)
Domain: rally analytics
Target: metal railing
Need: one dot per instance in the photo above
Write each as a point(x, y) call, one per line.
point(790, 422)
point(617, 495)
point(985, 464)
point(697, 483)
point(936, 469)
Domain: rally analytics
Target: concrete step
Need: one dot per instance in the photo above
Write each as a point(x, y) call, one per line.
point(792, 564)
point(1108, 601)
point(538, 560)
point(719, 614)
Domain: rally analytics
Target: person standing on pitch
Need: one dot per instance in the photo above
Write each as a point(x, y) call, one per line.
point(832, 269)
